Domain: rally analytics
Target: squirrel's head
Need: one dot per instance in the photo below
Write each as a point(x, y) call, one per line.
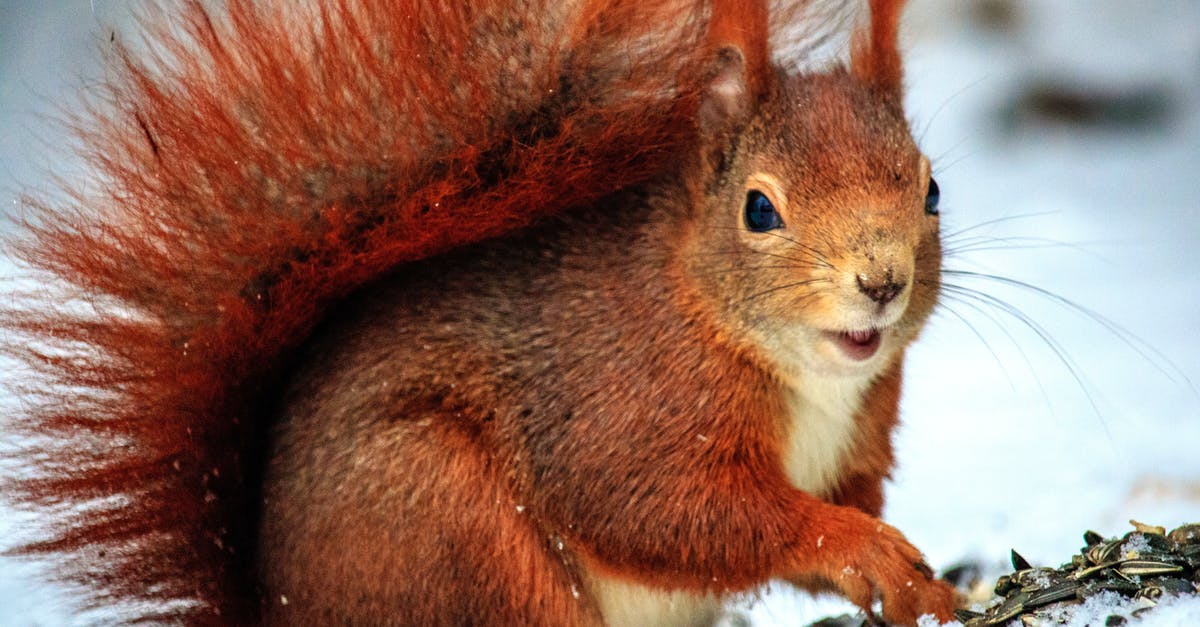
point(816, 241)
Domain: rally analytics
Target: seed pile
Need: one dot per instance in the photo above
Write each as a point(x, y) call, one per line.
point(1146, 565)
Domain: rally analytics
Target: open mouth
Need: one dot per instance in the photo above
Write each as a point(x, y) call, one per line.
point(857, 345)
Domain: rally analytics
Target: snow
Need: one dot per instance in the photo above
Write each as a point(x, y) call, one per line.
point(1004, 445)
point(1134, 546)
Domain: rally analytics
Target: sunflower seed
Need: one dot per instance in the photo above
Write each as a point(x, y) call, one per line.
point(1143, 568)
point(1186, 535)
point(1009, 609)
point(1058, 592)
point(1018, 562)
point(1148, 529)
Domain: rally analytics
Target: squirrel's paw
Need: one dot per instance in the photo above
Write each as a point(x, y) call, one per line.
point(878, 562)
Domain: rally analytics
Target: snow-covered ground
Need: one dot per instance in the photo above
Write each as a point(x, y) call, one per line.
point(1007, 441)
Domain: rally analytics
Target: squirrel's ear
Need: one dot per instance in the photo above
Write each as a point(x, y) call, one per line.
point(738, 33)
point(875, 53)
point(725, 103)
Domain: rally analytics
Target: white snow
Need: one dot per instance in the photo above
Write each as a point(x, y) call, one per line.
point(1003, 445)
point(1136, 545)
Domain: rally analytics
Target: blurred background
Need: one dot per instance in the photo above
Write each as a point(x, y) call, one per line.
point(1065, 135)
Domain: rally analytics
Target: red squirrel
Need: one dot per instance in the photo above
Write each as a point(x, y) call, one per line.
point(508, 312)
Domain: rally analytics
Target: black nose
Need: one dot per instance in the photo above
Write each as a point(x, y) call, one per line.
point(882, 292)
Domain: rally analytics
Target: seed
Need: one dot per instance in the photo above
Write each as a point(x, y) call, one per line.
point(1009, 609)
point(1058, 592)
point(1018, 562)
point(1144, 568)
point(1087, 572)
point(1104, 552)
point(1148, 529)
point(1156, 541)
point(1119, 586)
point(1034, 578)
point(1167, 585)
point(1186, 535)
point(963, 616)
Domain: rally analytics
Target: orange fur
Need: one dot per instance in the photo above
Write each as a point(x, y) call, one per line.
point(876, 58)
point(265, 164)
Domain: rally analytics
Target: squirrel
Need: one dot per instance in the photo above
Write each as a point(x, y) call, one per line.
point(507, 312)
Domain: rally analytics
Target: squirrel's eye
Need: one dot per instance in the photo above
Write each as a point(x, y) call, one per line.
point(760, 213)
point(931, 198)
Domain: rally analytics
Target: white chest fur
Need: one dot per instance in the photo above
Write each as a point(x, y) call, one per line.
point(627, 604)
point(821, 430)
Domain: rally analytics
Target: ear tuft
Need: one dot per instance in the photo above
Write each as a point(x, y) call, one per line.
point(875, 56)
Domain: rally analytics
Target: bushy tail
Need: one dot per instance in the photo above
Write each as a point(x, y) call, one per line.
point(253, 167)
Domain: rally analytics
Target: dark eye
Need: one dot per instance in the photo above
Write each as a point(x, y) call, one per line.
point(760, 213)
point(931, 198)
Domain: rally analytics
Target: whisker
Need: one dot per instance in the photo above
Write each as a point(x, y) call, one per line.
point(947, 308)
point(988, 239)
point(787, 286)
point(753, 268)
point(951, 98)
point(1152, 355)
point(1041, 332)
point(993, 221)
point(980, 243)
point(802, 246)
point(951, 294)
point(943, 167)
point(808, 262)
point(945, 154)
point(967, 323)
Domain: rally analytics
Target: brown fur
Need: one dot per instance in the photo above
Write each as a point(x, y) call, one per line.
point(484, 428)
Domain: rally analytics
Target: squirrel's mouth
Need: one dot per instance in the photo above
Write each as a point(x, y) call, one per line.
point(857, 345)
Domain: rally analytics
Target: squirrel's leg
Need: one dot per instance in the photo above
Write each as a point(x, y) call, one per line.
point(404, 522)
point(668, 510)
point(731, 527)
point(806, 540)
point(862, 492)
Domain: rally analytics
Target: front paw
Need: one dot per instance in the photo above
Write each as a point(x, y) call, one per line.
point(868, 559)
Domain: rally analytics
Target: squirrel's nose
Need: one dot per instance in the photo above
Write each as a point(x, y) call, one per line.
point(882, 291)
